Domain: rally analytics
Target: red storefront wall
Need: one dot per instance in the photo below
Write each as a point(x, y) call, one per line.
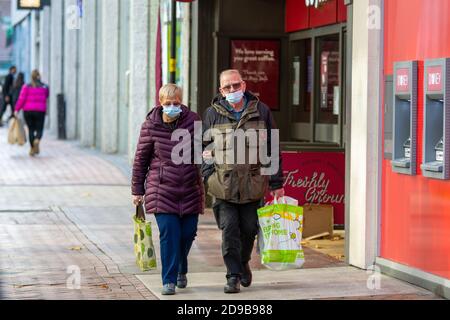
point(300, 17)
point(415, 225)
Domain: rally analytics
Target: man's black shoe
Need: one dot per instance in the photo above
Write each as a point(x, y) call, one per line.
point(233, 285)
point(246, 279)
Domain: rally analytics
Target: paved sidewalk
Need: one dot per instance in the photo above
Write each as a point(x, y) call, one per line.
point(69, 210)
point(41, 250)
point(42, 247)
point(60, 164)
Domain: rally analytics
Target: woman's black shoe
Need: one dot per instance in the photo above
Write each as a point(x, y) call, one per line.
point(246, 279)
point(233, 285)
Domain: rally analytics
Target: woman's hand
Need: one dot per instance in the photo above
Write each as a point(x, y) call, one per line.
point(137, 200)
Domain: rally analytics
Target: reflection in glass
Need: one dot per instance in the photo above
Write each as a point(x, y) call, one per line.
point(328, 104)
point(302, 88)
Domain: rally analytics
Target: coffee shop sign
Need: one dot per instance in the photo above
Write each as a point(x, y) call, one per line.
point(315, 3)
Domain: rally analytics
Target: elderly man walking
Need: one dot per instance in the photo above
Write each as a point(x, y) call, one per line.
point(238, 187)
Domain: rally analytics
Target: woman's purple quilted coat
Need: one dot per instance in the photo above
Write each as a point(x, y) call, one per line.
point(168, 188)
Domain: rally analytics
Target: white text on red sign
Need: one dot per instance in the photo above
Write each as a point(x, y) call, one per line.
point(315, 3)
point(434, 79)
point(402, 80)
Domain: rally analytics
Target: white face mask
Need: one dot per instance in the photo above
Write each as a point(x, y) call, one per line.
point(235, 97)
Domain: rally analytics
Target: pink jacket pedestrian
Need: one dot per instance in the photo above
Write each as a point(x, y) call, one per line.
point(33, 98)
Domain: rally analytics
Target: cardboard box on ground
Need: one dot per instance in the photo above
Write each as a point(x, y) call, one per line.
point(318, 221)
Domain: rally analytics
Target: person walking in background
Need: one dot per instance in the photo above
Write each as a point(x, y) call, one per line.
point(33, 101)
point(6, 92)
point(173, 192)
point(15, 91)
point(239, 189)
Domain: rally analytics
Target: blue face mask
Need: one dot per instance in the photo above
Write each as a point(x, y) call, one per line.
point(235, 97)
point(172, 111)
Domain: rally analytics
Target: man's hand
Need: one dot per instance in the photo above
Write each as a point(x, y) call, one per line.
point(7, 100)
point(137, 200)
point(277, 194)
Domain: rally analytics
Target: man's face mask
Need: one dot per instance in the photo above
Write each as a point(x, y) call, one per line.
point(235, 97)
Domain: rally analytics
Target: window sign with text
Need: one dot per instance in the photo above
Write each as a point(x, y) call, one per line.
point(259, 63)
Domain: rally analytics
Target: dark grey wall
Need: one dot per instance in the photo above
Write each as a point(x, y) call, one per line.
point(252, 16)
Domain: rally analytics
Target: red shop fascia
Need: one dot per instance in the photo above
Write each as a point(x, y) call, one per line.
point(314, 157)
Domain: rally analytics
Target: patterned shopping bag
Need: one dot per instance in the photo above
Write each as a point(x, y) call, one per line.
point(280, 235)
point(143, 243)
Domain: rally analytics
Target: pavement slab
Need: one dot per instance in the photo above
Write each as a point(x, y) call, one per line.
point(305, 284)
point(58, 164)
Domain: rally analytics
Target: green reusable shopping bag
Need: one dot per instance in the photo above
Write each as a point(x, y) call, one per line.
point(280, 236)
point(143, 243)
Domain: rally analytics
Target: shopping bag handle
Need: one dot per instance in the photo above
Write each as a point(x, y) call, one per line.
point(140, 213)
point(275, 201)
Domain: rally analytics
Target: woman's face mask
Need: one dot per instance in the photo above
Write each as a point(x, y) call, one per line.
point(172, 111)
point(172, 108)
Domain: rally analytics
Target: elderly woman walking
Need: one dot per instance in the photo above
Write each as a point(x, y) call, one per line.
point(173, 192)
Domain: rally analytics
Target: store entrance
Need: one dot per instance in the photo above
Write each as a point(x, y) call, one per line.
point(310, 57)
point(315, 150)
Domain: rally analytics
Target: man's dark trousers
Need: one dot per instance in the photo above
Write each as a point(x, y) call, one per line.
point(239, 225)
point(3, 107)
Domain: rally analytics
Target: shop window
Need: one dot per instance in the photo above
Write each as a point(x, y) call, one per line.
point(316, 115)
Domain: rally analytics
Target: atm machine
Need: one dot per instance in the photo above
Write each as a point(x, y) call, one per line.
point(436, 124)
point(404, 151)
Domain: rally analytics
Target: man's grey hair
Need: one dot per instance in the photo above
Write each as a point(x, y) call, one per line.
point(229, 72)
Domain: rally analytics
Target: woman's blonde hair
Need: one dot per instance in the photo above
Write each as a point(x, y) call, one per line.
point(35, 78)
point(170, 91)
